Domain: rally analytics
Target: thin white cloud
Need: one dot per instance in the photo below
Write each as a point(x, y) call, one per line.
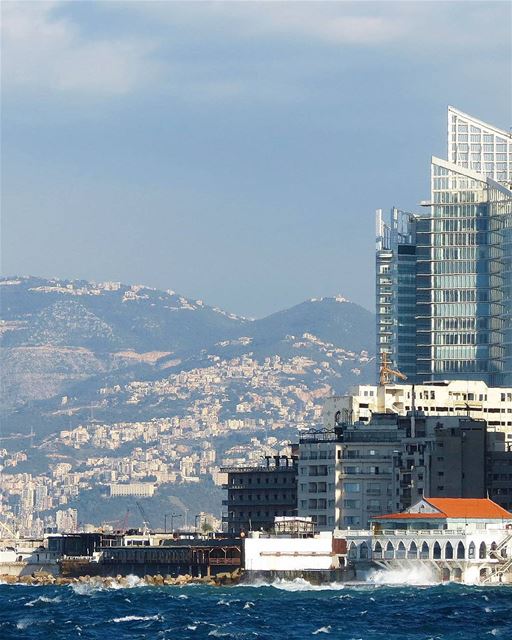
point(46, 48)
point(421, 24)
point(41, 49)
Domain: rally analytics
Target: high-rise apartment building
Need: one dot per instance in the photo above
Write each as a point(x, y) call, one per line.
point(444, 277)
point(357, 471)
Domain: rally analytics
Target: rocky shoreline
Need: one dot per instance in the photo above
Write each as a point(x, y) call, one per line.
point(119, 581)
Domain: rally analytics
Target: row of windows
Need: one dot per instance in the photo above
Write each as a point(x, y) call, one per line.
point(460, 224)
point(460, 309)
point(316, 487)
point(237, 480)
point(459, 211)
point(452, 197)
point(249, 497)
point(456, 267)
point(463, 238)
point(322, 454)
point(460, 295)
point(260, 514)
point(320, 503)
point(460, 366)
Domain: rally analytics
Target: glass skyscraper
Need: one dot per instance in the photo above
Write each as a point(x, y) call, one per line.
point(444, 277)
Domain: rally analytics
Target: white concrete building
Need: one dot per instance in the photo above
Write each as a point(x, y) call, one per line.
point(453, 397)
point(137, 489)
point(285, 553)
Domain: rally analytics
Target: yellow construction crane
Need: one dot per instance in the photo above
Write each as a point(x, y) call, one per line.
point(386, 372)
point(13, 534)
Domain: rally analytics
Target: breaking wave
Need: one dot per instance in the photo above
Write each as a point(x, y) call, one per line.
point(418, 576)
point(45, 599)
point(298, 584)
point(135, 618)
point(89, 588)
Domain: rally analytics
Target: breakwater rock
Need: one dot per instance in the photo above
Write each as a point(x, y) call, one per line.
point(119, 581)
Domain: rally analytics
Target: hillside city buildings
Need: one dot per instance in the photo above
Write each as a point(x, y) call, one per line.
point(444, 277)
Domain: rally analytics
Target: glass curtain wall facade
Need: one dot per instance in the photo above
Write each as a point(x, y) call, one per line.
point(473, 144)
point(396, 290)
point(448, 314)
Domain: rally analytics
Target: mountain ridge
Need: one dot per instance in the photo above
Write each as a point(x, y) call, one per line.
point(57, 334)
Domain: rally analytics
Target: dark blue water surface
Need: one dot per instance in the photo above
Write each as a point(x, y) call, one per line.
point(288, 610)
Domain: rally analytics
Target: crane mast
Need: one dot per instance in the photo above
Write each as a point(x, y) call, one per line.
point(387, 373)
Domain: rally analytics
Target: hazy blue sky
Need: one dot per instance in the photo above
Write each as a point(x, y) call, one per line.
point(234, 152)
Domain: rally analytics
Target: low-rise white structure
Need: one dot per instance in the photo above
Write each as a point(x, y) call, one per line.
point(287, 553)
point(457, 539)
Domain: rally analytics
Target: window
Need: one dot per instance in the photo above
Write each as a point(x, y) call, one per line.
point(352, 487)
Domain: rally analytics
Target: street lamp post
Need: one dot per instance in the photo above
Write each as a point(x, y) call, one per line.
point(173, 516)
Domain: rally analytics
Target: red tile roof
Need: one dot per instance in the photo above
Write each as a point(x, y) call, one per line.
point(455, 508)
point(469, 508)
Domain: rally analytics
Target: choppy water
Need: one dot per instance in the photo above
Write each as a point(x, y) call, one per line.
point(282, 610)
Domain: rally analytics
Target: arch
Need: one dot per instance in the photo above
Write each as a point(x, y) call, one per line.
point(377, 550)
point(461, 551)
point(448, 551)
point(412, 554)
point(363, 551)
point(471, 551)
point(400, 551)
point(482, 552)
point(352, 552)
point(445, 575)
point(389, 553)
point(424, 551)
point(457, 574)
point(483, 573)
point(437, 551)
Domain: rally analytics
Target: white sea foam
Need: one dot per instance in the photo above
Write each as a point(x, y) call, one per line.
point(418, 576)
point(224, 603)
point(84, 589)
point(248, 605)
point(42, 599)
point(135, 618)
point(128, 582)
point(227, 603)
point(89, 588)
point(326, 629)
point(299, 584)
point(219, 633)
point(23, 623)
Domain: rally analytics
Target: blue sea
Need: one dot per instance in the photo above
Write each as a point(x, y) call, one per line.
point(281, 610)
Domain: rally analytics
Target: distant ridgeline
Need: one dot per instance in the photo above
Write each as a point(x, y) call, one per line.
point(56, 334)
